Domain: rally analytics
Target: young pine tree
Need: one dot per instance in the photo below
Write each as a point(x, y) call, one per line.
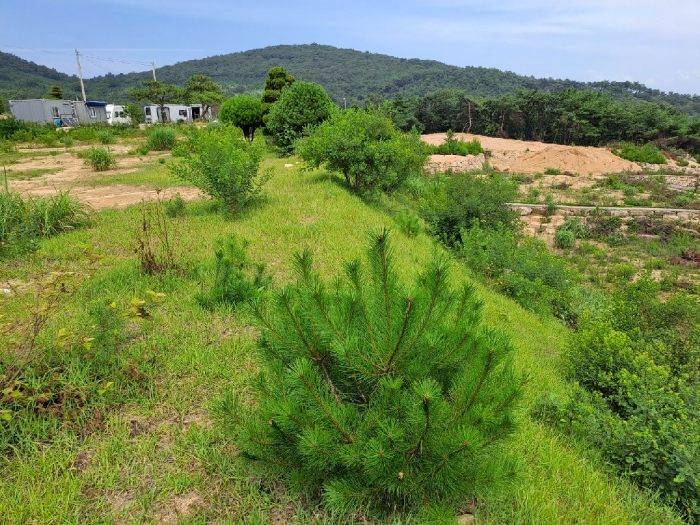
point(381, 396)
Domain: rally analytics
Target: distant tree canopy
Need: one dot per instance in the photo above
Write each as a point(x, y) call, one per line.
point(157, 93)
point(244, 112)
point(277, 80)
point(301, 105)
point(56, 93)
point(200, 89)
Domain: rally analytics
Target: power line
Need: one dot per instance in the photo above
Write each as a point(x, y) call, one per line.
point(107, 59)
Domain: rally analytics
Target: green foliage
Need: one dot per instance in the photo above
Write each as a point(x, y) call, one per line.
point(564, 238)
point(523, 269)
point(99, 159)
point(408, 223)
point(56, 93)
point(301, 105)
point(175, 206)
point(452, 146)
point(465, 197)
point(277, 80)
point(161, 138)
point(221, 163)
point(552, 171)
point(366, 148)
point(24, 221)
point(244, 112)
point(105, 136)
point(648, 153)
point(134, 113)
point(235, 281)
point(157, 93)
point(380, 395)
point(10, 125)
point(200, 89)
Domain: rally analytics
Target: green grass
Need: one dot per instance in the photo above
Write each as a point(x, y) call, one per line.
point(153, 175)
point(159, 449)
point(29, 174)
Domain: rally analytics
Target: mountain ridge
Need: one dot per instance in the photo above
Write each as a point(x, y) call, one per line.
point(349, 76)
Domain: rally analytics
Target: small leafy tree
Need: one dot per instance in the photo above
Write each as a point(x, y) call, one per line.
point(244, 112)
point(366, 148)
point(381, 395)
point(56, 93)
point(301, 105)
point(221, 163)
point(157, 93)
point(134, 113)
point(200, 89)
point(277, 80)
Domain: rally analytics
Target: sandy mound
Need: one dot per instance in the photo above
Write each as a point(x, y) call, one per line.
point(519, 156)
point(574, 159)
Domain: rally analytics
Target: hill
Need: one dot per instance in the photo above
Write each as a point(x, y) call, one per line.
point(348, 75)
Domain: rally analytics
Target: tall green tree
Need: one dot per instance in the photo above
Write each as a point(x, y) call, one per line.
point(56, 93)
point(277, 80)
point(134, 112)
point(244, 112)
point(378, 393)
point(301, 106)
point(157, 93)
point(200, 89)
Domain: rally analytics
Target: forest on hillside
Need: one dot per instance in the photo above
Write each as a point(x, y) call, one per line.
point(349, 77)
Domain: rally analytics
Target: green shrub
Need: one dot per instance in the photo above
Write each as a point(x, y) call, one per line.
point(453, 146)
point(648, 153)
point(552, 171)
point(244, 112)
point(99, 159)
point(84, 133)
point(408, 223)
point(175, 206)
point(161, 138)
point(682, 162)
point(67, 141)
point(550, 207)
point(105, 136)
point(235, 281)
point(464, 197)
point(221, 163)
point(366, 148)
point(11, 128)
point(564, 238)
point(380, 396)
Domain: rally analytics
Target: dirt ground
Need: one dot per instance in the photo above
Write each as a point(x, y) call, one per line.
point(519, 156)
point(71, 174)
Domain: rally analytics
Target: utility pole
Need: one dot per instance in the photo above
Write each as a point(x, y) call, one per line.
point(80, 74)
point(153, 66)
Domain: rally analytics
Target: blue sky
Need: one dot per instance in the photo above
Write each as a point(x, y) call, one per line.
point(654, 42)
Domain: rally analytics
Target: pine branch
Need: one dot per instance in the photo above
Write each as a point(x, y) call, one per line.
point(413, 451)
point(404, 326)
point(484, 373)
point(347, 437)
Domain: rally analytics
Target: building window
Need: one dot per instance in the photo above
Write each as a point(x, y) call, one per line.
point(93, 113)
point(55, 113)
point(148, 111)
point(182, 113)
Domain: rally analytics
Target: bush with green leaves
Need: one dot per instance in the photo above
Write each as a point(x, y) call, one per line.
point(453, 146)
point(244, 112)
point(105, 136)
point(221, 163)
point(648, 153)
point(464, 197)
point(161, 138)
point(235, 279)
point(24, 221)
point(564, 238)
point(175, 206)
point(99, 159)
point(380, 395)
point(301, 106)
point(10, 126)
point(409, 224)
point(366, 148)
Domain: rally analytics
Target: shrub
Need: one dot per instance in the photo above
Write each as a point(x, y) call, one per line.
point(105, 136)
point(564, 238)
point(381, 396)
point(175, 206)
point(648, 153)
point(161, 138)
point(366, 148)
point(244, 112)
point(552, 171)
point(682, 162)
point(10, 128)
point(99, 159)
point(465, 197)
point(221, 163)
point(452, 146)
point(235, 281)
point(408, 223)
point(300, 105)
